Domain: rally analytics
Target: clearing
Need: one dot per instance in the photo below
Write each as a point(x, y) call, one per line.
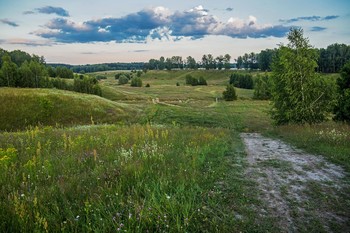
point(303, 192)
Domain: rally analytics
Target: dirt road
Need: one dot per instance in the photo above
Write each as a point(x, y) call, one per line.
point(302, 192)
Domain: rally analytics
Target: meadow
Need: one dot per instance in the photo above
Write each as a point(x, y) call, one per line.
point(163, 158)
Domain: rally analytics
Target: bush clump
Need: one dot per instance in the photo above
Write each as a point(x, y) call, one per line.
point(194, 81)
point(122, 79)
point(230, 93)
point(136, 82)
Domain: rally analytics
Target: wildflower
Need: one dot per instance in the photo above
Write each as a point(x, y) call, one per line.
point(167, 196)
point(22, 195)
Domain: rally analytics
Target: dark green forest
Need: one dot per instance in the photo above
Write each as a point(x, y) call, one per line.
point(20, 69)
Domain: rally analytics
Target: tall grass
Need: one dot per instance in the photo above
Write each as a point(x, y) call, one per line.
point(329, 139)
point(110, 178)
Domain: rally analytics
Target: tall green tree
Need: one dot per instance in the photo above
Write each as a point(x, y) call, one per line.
point(191, 63)
point(227, 59)
point(342, 109)
point(9, 71)
point(239, 62)
point(161, 65)
point(38, 70)
point(299, 94)
point(26, 76)
point(220, 62)
point(262, 87)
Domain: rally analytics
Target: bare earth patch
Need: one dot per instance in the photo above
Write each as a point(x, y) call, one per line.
point(302, 192)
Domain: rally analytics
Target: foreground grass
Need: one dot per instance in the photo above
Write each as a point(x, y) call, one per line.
point(135, 179)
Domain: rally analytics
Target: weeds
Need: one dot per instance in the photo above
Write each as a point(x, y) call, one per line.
point(109, 178)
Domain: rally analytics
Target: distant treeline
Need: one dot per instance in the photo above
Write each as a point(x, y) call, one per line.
point(207, 62)
point(89, 68)
point(20, 69)
point(331, 59)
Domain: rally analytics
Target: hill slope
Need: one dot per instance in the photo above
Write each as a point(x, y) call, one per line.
point(21, 107)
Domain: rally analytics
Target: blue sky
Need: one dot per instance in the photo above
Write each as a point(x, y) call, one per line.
point(86, 31)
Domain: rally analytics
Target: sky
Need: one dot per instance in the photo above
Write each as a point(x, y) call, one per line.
point(90, 31)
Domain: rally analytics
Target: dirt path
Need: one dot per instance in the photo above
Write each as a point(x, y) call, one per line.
point(302, 192)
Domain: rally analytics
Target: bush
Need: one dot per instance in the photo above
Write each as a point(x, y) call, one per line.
point(147, 85)
point(122, 80)
point(191, 80)
point(242, 80)
point(136, 82)
point(99, 77)
point(230, 93)
point(202, 81)
point(117, 75)
point(194, 82)
point(177, 84)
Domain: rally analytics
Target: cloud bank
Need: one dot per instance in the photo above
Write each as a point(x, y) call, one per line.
point(9, 22)
point(318, 29)
point(157, 23)
point(309, 18)
point(49, 10)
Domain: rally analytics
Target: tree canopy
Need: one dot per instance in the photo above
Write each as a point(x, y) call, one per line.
point(299, 94)
point(342, 109)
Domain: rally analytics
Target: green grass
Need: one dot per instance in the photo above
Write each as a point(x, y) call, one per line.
point(133, 178)
point(180, 170)
point(330, 139)
point(22, 107)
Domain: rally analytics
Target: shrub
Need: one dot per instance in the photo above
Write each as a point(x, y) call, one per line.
point(191, 80)
point(117, 75)
point(202, 81)
point(136, 82)
point(177, 84)
point(230, 93)
point(147, 85)
point(99, 77)
point(194, 82)
point(122, 80)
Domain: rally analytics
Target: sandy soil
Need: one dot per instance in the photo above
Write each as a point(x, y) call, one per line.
point(301, 191)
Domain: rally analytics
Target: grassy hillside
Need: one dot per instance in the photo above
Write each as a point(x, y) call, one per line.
point(180, 169)
point(20, 108)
